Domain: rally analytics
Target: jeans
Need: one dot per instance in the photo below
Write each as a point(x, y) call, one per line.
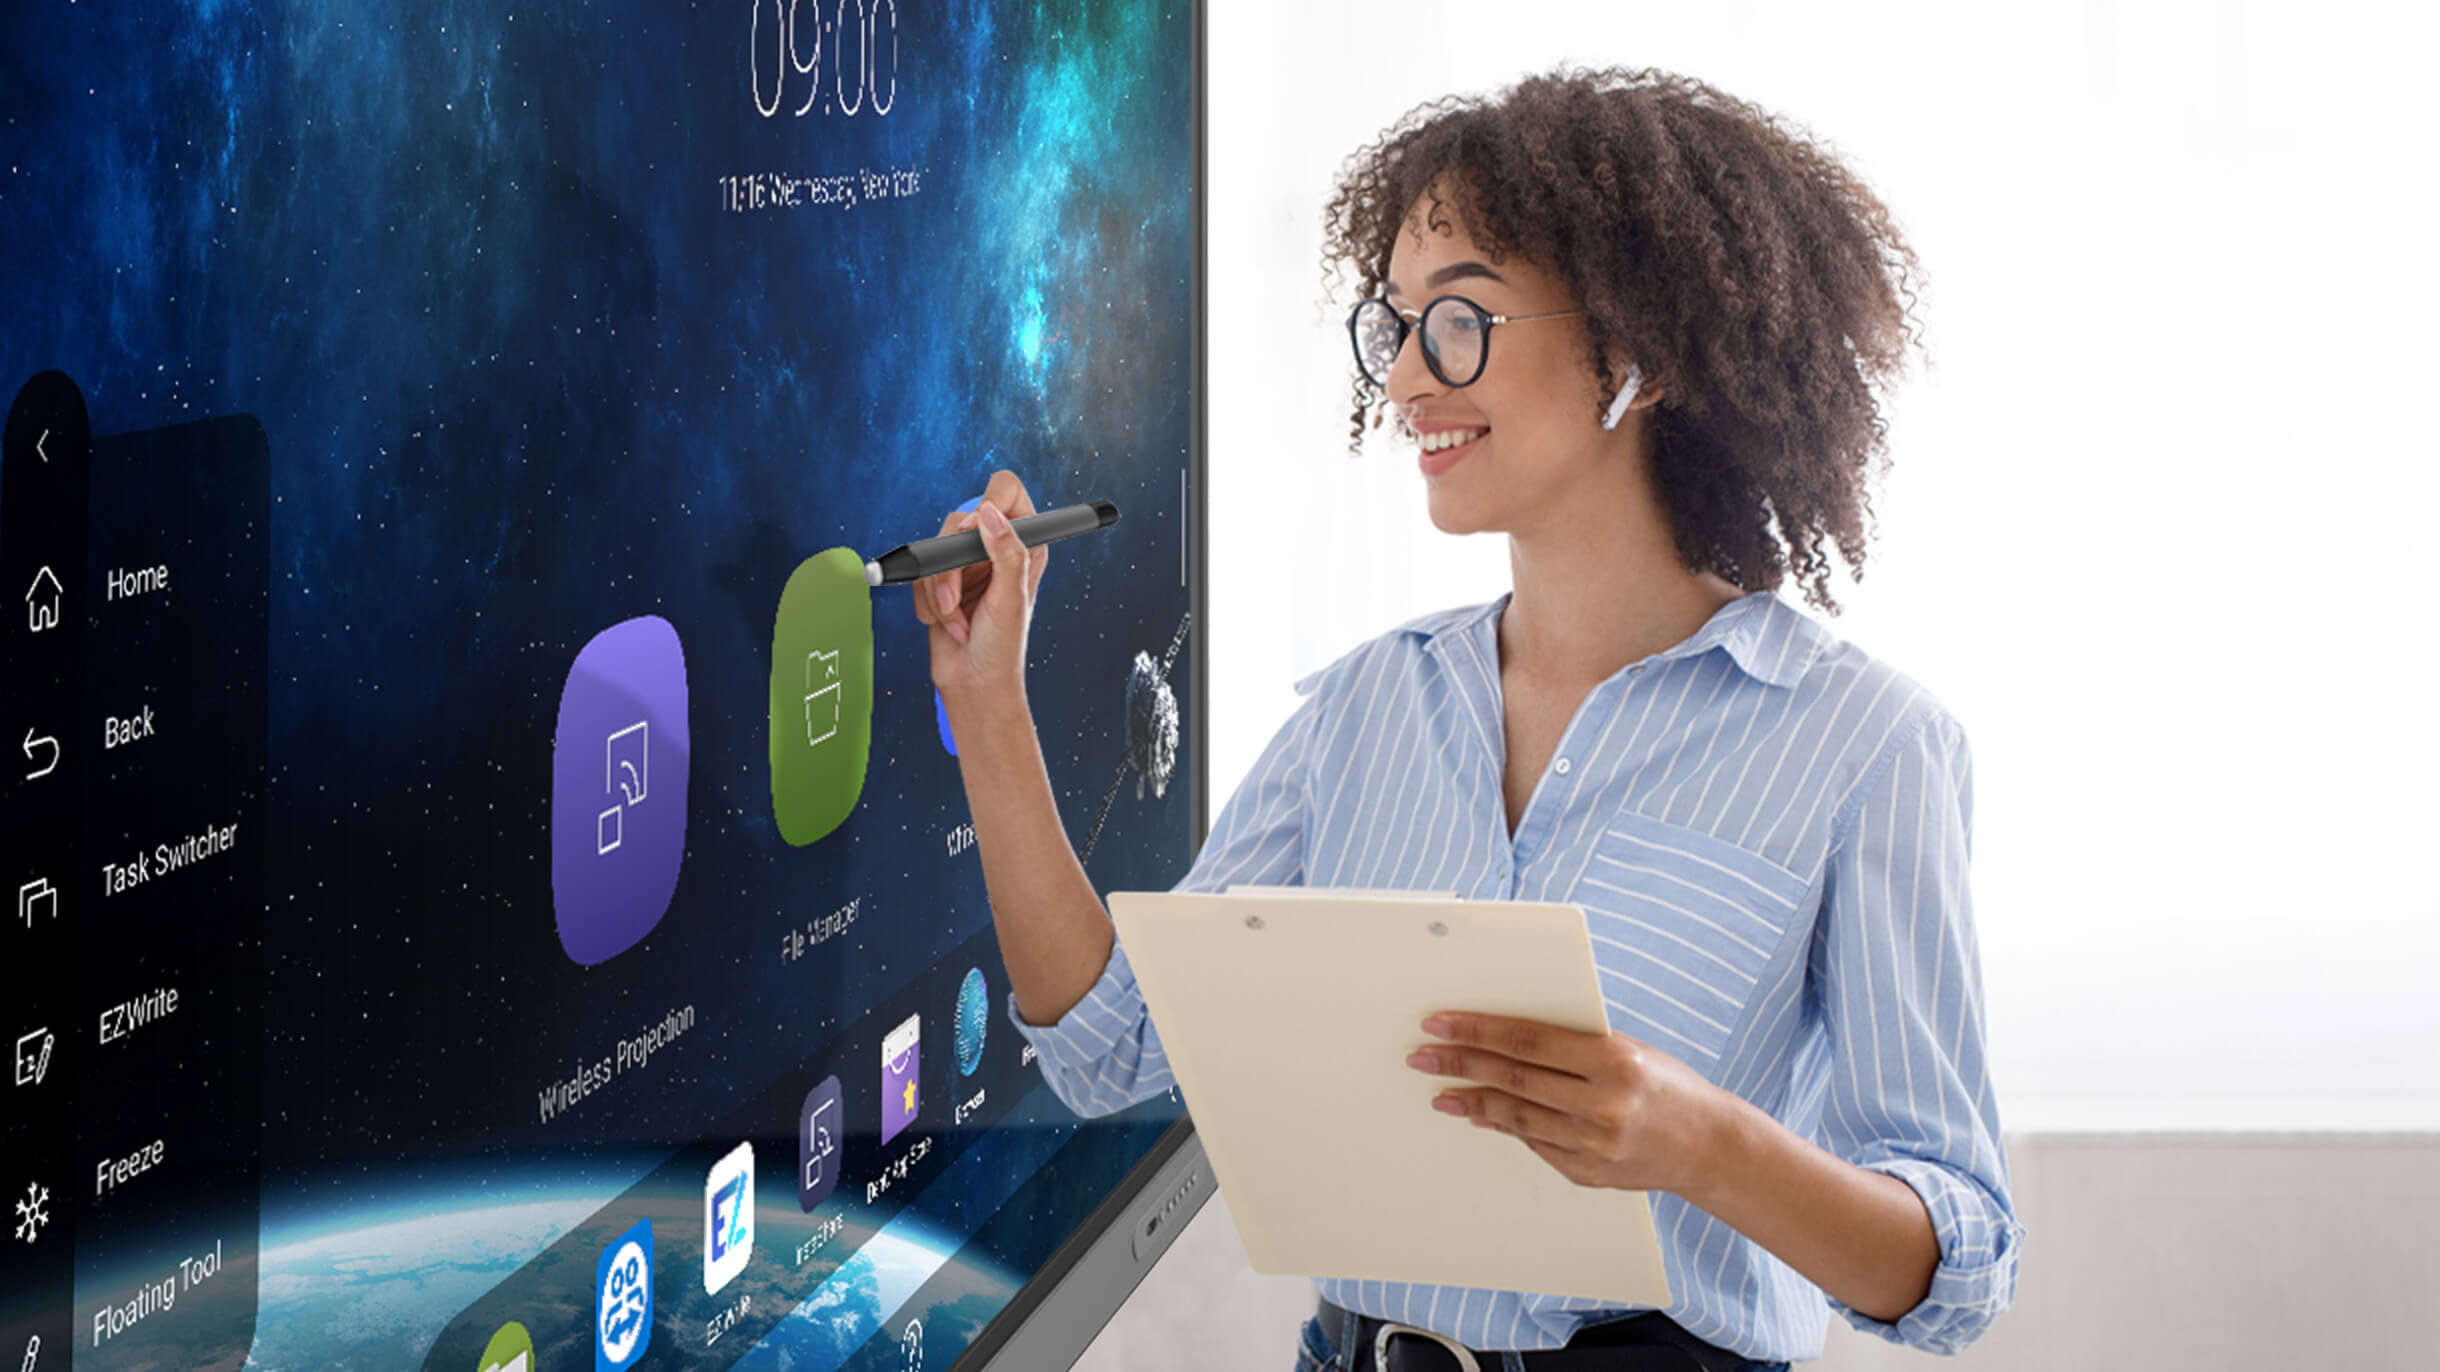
point(1315, 1352)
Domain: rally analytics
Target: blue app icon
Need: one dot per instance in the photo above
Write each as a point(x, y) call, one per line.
point(622, 1303)
point(973, 1018)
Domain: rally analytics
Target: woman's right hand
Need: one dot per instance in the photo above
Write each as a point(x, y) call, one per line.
point(979, 615)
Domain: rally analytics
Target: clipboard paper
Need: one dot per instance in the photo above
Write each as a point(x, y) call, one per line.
point(1288, 1013)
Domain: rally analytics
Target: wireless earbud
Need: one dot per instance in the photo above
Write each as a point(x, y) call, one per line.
point(1626, 397)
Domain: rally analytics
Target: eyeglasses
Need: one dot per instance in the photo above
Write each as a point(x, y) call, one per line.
point(1456, 337)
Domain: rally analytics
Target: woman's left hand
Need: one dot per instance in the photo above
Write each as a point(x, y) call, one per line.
point(1604, 1109)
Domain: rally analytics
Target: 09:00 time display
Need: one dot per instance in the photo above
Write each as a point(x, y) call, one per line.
point(786, 51)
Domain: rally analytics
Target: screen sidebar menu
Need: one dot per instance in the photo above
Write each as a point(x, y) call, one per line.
point(138, 567)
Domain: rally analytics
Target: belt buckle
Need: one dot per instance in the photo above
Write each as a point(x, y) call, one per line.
point(1463, 1354)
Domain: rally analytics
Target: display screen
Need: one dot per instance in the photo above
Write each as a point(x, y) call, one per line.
point(491, 885)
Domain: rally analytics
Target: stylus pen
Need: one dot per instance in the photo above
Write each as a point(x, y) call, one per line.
point(931, 557)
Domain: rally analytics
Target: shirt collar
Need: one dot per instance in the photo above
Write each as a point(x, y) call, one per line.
point(1771, 640)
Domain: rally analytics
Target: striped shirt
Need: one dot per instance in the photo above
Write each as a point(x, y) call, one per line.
point(1768, 832)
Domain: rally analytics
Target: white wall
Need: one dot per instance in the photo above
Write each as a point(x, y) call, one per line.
point(2158, 517)
point(2182, 1252)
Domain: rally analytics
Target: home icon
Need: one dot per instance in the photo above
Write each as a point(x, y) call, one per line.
point(42, 602)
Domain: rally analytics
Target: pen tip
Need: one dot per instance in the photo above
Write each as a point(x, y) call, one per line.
point(872, 573)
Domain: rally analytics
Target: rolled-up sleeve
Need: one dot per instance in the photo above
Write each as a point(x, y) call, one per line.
point(1104, 1053)
point(1901, 984)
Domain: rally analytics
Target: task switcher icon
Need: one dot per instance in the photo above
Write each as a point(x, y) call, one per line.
point(37, 899)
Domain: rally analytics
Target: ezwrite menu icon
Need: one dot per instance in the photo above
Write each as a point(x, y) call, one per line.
point(618, 788)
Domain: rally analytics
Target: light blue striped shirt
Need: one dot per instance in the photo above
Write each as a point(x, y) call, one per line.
point(1768, 832)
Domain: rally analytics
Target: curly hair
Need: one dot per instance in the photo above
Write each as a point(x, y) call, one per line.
point(1752, 278)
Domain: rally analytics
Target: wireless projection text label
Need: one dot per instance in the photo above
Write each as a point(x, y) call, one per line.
point(562, 1095)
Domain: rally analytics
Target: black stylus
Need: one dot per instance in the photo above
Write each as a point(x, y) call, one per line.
point(947, 553)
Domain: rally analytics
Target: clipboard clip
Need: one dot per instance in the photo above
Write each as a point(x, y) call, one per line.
point(1463, 1354)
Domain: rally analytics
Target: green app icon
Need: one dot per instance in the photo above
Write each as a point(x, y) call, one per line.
point(510, 1350)
point(821, 695)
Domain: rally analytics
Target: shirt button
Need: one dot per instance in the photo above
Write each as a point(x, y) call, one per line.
point(1563, 766)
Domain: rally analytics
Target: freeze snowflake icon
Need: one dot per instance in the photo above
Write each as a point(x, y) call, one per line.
point(34, 1211)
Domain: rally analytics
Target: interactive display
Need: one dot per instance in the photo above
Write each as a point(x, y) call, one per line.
point(490, 884)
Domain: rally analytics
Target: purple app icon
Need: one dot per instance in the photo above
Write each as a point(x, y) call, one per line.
point(618, 788)
point(901, 1066)
point(819, 1134)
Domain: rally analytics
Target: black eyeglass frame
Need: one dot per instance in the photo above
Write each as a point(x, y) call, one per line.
point(1431, 357)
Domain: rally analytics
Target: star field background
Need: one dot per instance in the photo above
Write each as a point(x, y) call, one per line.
point(526, 375)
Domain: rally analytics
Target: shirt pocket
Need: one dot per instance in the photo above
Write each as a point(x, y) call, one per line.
point(1684, 924)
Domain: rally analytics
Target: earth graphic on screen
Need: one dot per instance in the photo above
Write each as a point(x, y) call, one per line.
point(375, 1293)
point(973, 1019)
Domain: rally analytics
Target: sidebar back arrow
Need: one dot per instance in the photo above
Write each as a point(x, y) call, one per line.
point(46, 437)
point(46, 741)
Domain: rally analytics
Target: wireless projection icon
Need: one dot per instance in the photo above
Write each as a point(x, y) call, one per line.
point(618, 788)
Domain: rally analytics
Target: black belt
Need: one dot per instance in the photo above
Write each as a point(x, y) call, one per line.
point(1649, 1342)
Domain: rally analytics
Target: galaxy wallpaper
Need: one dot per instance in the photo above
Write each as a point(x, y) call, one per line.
point(558, 316)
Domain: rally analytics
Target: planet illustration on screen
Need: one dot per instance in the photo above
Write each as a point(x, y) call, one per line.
point(973, 1017)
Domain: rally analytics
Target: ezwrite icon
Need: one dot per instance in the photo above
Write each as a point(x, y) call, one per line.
point(728, 1218)
point(618, 788)
point(622, 1301)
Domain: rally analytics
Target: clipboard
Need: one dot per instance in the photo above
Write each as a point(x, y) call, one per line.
point(1287, 1014)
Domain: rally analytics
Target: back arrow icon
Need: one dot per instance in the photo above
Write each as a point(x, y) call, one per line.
point(46, 437)
point(46, 741)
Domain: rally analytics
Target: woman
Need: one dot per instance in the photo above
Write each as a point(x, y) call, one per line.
point(1637, 326)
